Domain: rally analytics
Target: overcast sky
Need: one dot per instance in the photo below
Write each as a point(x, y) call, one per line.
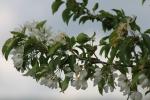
point(14, 13)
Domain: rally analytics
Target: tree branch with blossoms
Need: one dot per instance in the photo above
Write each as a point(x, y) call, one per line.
point(59, 60)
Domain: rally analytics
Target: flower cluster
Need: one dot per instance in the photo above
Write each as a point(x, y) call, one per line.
point(136, 95)
point(144, 81)
point(43, 34)
point(50, 81)
point(124, 84)
point(97, 76)
point(60, 38)
point(18, 57)
point(79, 81)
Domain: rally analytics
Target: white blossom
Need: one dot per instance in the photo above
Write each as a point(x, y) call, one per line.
point(144, 81)
point(43, 34)
point(123, 83)
point(49, 81)
point(70, 74)
point(77, 68)
point(79, 84)
point(136, 95)
point(107, 87)
point(97, 76)
point(83, 74)
point(18, 57)
point(80, 81)
point(122, 77)
point(60, 38)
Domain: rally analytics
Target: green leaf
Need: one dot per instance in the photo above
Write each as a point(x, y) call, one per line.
point(147, 92)
point(66, 15)
point(15, 33)
point(134, 26)
point(64, 84)
point(40, 24)
point(72, 41)
point(83, 19)
point(51, 66)
point(56, 4)
point(147, 31)
point(32, 72)
point(146, 40)
point(103, 40)
point(101, 86)
point(134, 80)
point(105, 49)
point(120, 13)
point(85, 2)
point(8, 46)
point(113, 53)
point(143, 1)
point(95, 6)
point(72, 61)
point(82, 38)
point(54, 48)
point(126, 48)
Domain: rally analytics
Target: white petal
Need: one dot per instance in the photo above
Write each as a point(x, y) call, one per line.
point(145, 83)
point(138, 96)
point(83, 74)
point(43, 81)
point(78, 84)
point(141, 77)
point(111, 88)
point(49, 83)
point(106, 89)
point(127, 91)
point(70, 74)
point(96, 81)
point(122, 77)
point(73, 83)
point(132, 96)
point(84, 85)
point(115, 75)
point(77, 68)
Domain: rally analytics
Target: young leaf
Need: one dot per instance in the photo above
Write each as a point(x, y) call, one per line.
point(66, 15)
point(113, 54)
point(72, 61)
point(82, 38)
point(105, 49)
point(85, 2)
point(64, 84)
point(120, 13)
point(8, 46)
point(147, 31)
point(95, 6)
point(83, 19)
point(40, 24)
point(146, 40)
point(32, 72)
point(54, 48)
point(56, 4)
point(134, 81)
point(143, 1)
point(101, 86)
point(147, 92)
point(15, 33)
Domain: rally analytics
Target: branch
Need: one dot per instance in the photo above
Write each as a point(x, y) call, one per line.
point(96, 61)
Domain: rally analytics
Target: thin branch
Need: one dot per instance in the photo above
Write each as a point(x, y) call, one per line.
point(96, 61)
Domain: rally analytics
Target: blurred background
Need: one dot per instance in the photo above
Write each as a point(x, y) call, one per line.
point(13, 13)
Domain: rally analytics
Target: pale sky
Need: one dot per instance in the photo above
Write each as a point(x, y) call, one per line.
point(13, 13)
